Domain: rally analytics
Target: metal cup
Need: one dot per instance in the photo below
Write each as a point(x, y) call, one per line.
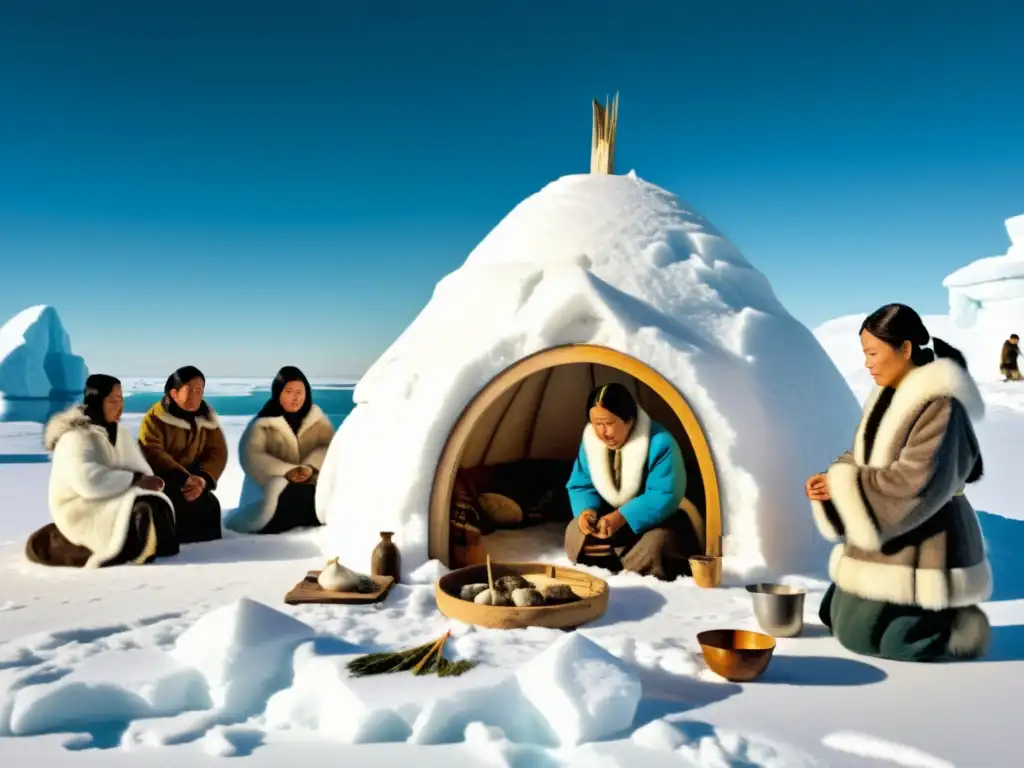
point(779, 609)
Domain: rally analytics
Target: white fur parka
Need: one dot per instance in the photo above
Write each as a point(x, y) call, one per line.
point(270, 449)
point(92, 489)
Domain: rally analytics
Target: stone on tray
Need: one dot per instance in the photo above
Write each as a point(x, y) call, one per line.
point(527, 597)
point(497, 597)
point(507, 583)
point(470, 591)
point(559, 593)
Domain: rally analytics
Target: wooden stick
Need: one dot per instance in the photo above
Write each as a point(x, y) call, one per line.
point(490, 579)
point(430, 655)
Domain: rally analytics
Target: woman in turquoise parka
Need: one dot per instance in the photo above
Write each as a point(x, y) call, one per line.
point(625, 489)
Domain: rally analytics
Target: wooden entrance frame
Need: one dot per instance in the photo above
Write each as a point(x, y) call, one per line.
point(451, 454)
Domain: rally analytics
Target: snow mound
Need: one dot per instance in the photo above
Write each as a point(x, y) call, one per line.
point(584, 692)
point(658, 736)
point(35, 356)
point(115, 686)
point(243, 651)
point(618, 262)
point(322, 699)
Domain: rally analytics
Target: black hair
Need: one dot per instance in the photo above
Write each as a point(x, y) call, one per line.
point(181, 377)
point(896, 324)
point(272, 407)
point(1014, 336)
point(615, 398)
point(97, 389)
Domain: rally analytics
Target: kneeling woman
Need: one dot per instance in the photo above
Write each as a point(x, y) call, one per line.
point(625, 490)
point(282, 452)
point(911, 566)
point(106, 504)
point(182, 439)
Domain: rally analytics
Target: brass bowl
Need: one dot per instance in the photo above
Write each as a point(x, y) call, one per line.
point(737, 655)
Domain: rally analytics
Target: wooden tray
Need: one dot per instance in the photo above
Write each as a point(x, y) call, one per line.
point(592, 591)
point(308, 591)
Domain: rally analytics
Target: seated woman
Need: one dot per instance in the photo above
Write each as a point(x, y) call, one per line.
point(182, 439)
point(911, 566)
point(625, 490)
point(106, 504)
point(282, 452)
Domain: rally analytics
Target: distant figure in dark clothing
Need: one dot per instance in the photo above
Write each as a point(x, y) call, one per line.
point(1008, 359)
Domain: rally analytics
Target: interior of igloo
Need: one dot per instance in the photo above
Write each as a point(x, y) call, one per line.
point(519, 437)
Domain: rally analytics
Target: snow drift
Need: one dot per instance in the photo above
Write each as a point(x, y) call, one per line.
point(618, 262)
point(36, 358)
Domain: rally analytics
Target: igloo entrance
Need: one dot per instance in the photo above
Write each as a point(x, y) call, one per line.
point(519, 436)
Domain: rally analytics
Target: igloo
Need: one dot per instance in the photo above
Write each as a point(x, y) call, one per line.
point(986, 303)
point(592, 279)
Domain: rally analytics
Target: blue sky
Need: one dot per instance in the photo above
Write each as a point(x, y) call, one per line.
point(238, 184)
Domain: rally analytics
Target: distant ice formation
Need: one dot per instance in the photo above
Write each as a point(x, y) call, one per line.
point(36, 360)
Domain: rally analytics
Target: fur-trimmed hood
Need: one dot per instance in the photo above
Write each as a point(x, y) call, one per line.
point(206, 417)
point(938, 379)
point(634, 454)
point(279, 423)
point(65, 421)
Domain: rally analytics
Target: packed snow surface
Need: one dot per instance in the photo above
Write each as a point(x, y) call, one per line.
point(618, 262)
point(36, 358)
point(197, 657)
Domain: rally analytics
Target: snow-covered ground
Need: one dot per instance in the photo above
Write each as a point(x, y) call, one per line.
point(198, 657)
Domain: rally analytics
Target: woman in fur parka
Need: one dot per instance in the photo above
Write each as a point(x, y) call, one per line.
point(107, 505)
point(182, 439)
point(909, 568)
point(282, 452)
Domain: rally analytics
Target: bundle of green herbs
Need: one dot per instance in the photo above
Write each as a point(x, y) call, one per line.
point(422, 660)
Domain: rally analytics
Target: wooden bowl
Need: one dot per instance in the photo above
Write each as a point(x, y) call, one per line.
point(706, 570)
point(736, 654)
point(592, 591)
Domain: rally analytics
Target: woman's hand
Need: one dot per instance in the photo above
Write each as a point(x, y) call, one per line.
point(151, 483)
point(816, 488)
point(193, 488)
point(298, 474)
point(588, 522)
point(610, 524)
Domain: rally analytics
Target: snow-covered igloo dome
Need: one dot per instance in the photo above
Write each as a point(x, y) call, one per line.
point(594, 278)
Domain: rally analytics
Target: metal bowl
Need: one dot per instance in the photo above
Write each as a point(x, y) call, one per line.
point(736, 654)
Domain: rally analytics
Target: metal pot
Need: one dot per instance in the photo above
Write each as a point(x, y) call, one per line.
point(779, 609)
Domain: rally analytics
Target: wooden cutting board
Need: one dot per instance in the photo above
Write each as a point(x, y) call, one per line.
point(308, 591)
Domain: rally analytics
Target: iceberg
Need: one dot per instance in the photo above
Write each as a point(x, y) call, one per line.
point(36, 360)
